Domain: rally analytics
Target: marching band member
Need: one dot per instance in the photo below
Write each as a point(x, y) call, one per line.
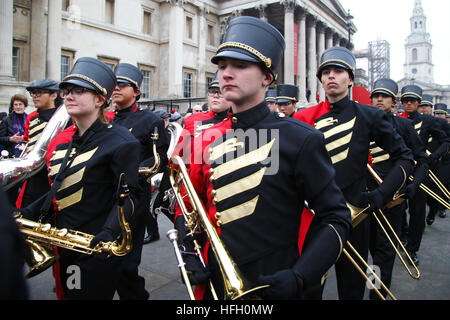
point(85, 162)
point(141, 123)
point(44, 93)
point(287, 97)
point(260, 169)
point(383, 254)
point(271, 99)
point(349, 128)
point(427, 127)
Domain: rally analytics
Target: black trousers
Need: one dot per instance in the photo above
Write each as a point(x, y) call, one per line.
point(442, 171)
point(89, 277)
point(350, 284)
point(381, 250)
point(416, 221)
point(132, 285)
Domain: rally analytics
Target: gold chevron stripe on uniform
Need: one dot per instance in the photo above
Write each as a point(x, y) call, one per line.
point(339, 142)
point(34, 122)
point(83, 157)
point(201, 128)
point(239, 186)
point(340, 128)
point(340, 156)
point(33, 130)
point(238, 212)
point(229, 145)
point(72, 179)
point(34, 139)
point(325, 123)
point(245, 160)
point(69, 200)
point(376, 150)
point(418, 126)
point(381, 158)
point(60, 154)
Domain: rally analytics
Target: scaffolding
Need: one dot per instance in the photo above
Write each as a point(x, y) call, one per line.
point(379, 61)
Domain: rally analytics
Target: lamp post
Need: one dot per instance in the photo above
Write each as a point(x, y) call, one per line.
point(349, 18)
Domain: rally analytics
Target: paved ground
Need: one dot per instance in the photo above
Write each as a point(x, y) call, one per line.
point(159, 267)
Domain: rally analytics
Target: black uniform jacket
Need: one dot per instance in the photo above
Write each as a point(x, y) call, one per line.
point(254, 172)
point(142, 123)
point(349, 127)
point(434, 145)
point(87, 195)
point(428, 127)
point(381, 159)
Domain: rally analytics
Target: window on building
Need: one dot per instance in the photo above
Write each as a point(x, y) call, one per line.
point(414, 54)
point(145, 86)
point(187, 82)
point(109, 11)
point(209, 79)
point(189, 27)
point(210, 35)
point(111, 62)
point(147, 23)
point(67, 58)
point(15, 62)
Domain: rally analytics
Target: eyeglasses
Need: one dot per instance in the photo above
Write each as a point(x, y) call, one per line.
point(123, 85)
point(38, 92)
point(213, 92)
point(75, 91)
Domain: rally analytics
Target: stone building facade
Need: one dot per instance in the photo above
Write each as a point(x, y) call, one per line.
point(171, 41)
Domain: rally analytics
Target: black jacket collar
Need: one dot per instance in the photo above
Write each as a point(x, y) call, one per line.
point(340, 105)
point(250, 117)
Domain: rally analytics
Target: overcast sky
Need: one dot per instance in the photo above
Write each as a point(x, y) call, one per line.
point(389, 20)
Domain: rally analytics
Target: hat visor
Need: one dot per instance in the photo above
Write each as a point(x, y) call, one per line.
point(382, 92)
point(285, 100)
point(336, 64)
point(127, 82)
point(413, 96)
point(234, 55)
point(78, 82)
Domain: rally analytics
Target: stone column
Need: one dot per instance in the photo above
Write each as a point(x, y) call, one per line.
point(302, 58)
point(336, 40)
point(201, 65)
point(262, 9)
point(328, 38)
point(312, 59)
point(6, 39)
point(176, 34)
point(320, 50)
point(289, 6)
point(38, 40)
point(54, 40)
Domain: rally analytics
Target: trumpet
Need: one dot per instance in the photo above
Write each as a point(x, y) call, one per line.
point(417, 275)
point(235, 285)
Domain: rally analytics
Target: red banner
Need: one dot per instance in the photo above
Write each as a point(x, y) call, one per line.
point(295, 49)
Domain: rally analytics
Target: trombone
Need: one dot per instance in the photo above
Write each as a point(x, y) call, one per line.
point(396, 197)
point(235, 285)
point(439, 184)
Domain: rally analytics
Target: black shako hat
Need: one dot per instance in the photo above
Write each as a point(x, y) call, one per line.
point(385, 86)
point(271, 95)
point(127, 73)
point(92, 74)
point(412, 91)
point(252, 39)
point(46, 84)
point(427, 100)
point(339, 57)
point(287, 93)
point(440, 108)
point(214, 83)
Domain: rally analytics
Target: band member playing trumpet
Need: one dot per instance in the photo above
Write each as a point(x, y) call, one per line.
point(85, 163)
point(349, 128)
point(141, 123)
point(383, 254)
point(255, 170)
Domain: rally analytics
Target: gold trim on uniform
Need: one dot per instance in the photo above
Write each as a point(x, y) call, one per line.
point(380, 158)
point(238, 212)
point(245, 160)
point(229, 145)
point(267, 61)
point(339, 142)
point(239, 186)
point(201, 128)
point(32, 130)
point(325, 123)
point(340, 156)
point(83, 157)
point(69, 200)
point(340, 128)
point(72, 179)
point(91, 81)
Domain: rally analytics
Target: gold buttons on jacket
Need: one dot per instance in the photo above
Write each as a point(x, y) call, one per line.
point(234, 120)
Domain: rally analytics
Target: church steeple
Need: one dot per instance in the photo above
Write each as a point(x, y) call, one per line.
point(418, 48)
point(418, 19)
